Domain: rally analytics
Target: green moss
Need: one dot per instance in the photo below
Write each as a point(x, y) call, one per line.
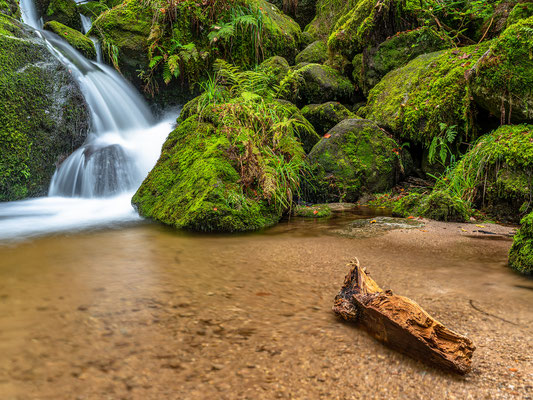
point(374, 63)
point(519, 12)
point(315, 83)
point(10, 8)
point(495, 175)
point(414, 100)
point(76, 39)
point(316, 52)
point(42, 113)
point(505, 74)
point(218, 171)
point(65, 12)
point(328, 13)
point(356, 158)
point(325, 116)
point(314, 211)
point(438, 205)
point(521, 253)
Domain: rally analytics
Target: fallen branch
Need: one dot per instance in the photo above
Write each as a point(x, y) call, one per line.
point(401, 323)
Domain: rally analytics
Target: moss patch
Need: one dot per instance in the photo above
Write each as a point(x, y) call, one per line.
point(521, 253)
point(42, 113)
point(314, 211)
point(76, 39)
point(325, 116)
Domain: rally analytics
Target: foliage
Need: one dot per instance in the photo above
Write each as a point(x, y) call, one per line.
point(521, 253)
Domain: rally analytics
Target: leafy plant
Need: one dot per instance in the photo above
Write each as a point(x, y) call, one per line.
point(440, 145)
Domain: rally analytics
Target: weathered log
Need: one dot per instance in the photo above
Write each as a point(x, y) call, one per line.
point(401, 323)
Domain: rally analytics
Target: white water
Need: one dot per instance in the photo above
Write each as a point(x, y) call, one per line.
point(94, 185)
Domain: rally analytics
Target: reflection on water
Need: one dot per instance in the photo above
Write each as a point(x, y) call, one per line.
point(147, 312)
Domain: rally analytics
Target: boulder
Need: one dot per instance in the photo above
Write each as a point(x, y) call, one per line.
point(63, 11)
point(356, 157)
point(370, 66)
point(501, 80)
point(315, 83)
point(521, 253)
point(76, 39)
point(10, 8)
point(316, 52)
point(231, 167)
point(302, 11)
point(325, 116)
point(43, 114)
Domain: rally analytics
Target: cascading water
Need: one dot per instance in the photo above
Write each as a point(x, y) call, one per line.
point(94, 184)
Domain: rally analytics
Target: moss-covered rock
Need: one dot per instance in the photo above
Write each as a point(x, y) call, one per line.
point(503, 77)
point(123, 32)
point(314, 211)
point(438, 205)
point(328, 12)
point(42, 113)
point(325, 116)
point(277, 66)
point(302, 11)
point(304, 130)
point(64, 11)
point(10, 8)
point(355, 158)
point(415, 100)
point(220, 171)
point(374, 63)
point(315, 83)
point(76, 39)
point(316, 52)
point(522, 10)
point(496, 174)
point(521, 253)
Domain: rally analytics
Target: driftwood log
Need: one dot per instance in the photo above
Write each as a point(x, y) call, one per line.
point(401, 323)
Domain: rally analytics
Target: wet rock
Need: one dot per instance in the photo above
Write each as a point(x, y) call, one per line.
point(364, 228)
point(75, 38)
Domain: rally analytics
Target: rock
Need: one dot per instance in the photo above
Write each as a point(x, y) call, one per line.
point(328, 12)
point(315, 83)
point(10, 8)
point(325, 116)
point(356, 157)
point(63, 11)
point(219, 172)
point(521, 253)
point(502, 78)
point(276, 65)
point(366, 228)
point(519, 12)
point(439, 205)
point(305, 131)
point(42, 113)
point(495, 174)
point(76, 39)
point(316, 52)
point(415, 101)
point(374, 63)
point(123, 32)
point(303, 11)
point(314, 211)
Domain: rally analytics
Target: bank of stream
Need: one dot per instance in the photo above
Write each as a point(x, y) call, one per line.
point(144, 312)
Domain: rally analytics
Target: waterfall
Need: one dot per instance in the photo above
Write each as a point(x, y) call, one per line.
point(122, 146)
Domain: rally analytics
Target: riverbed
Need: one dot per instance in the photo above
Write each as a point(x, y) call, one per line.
point(145, 312)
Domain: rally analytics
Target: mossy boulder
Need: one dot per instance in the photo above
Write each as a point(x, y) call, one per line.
point(522, 10)
point(502, 79)
point(123, 32)
point(302, 11)
point(313, 211)
point(438, 205)
point(316, 83)
point(521, 253)
point(496, 174)
point(328, 12)
point(63, 11)
point(10, 8)
point(316, 52)
point(355, 158)
point(76, 39)
point(277, 66)
point(370, 66)
point(219, 172)
point(325, 116)
point(42, 113)
point(416, 100)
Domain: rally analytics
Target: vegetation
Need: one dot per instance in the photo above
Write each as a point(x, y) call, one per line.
point(521, 253)
point(77, 40)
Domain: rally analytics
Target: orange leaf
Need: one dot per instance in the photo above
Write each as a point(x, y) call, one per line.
point(315, 212)
point(327, 136)
point(410, 217)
